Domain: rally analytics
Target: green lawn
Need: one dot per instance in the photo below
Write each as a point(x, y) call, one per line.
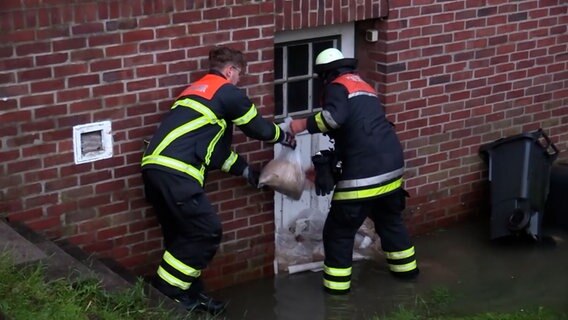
point(434, 307)
point(26, 294)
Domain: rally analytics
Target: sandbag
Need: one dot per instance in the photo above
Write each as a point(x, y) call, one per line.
point(285, 174)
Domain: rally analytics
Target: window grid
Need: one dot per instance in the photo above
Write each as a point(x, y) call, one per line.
point(284, 82)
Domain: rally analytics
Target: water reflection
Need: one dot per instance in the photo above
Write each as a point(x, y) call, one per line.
point(481, 276)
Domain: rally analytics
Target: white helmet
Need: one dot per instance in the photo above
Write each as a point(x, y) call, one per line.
point(329, 55)
point(330, 59)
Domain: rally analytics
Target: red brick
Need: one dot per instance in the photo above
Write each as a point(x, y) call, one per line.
point(114, 232)
point(69, 44)
point(83, 80)
point(55, 58)
point(138, 35)
point(70, 95)
point(39, 150)
point(100, 246)
point(49, 85)
point(69, 69)
point(103, 39)
point(44, 223)
point(61, 209)
point(88, 28)
point(66, 122)
point(109, 89)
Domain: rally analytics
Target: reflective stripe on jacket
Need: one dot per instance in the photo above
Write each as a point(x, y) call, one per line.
point(196, 136)
point(365, 141)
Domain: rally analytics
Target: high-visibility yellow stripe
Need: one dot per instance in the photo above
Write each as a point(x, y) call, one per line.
point(320, 123)
point(180, 266)
point(173, 280)
point(180, 131)
point(201, 108)
point(333, 285)
point(337, 272)
point(367, 193)
point(176, 165)
point(277, 132)
point(229, 162)
point(208, 117)
point(214, 141)
point(247, 117)
point(403, 267)
point(397, 255)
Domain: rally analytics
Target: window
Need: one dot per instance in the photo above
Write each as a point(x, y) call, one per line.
point(295, 91)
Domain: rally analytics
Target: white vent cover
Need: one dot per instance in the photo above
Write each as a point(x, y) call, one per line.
point(92, 141)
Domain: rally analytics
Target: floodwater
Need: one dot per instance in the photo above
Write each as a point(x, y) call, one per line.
point(480, 275)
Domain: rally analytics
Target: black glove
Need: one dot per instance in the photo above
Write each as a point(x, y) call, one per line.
point(289, 140)
point(252, 176)
point(325, 182)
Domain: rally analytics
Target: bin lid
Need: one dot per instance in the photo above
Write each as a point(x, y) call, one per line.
point(533, 135)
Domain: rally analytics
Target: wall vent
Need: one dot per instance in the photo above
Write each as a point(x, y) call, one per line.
point(92, 141)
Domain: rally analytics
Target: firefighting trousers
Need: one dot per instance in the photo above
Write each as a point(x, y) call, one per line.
point(343, 222)
point(191, 231)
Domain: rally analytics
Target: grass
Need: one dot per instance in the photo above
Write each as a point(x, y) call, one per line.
point(436, 305)
point(25, 293)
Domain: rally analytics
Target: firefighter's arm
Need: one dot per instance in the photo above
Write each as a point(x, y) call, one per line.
point(233, 163)
point(333, 113)
point(275, 135)
point(253, 125)
point(236, 165)
point(243, 113)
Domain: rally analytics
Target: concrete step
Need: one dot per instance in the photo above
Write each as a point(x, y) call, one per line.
point(20, 249)
point(63, 260)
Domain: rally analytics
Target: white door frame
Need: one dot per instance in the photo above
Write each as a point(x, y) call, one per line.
point(286, 210)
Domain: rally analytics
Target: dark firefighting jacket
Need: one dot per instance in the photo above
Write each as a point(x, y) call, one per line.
point(195, 136)
point(365, 141)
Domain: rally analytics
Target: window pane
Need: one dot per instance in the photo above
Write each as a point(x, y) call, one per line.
point(278, 100)
point(317, 92)
point(298, 60)
point(297, 96)
point(278, 60)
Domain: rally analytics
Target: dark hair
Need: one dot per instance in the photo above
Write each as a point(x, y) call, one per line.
point(219, 57)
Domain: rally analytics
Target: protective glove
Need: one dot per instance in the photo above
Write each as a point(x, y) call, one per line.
point(289, 140)
point(324, 182)
point(252, 176)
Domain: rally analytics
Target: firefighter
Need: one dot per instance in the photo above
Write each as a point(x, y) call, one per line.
point(193, 138)
point(365, 167)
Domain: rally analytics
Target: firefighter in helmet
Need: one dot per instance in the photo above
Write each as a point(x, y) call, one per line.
point(368, 180)
point(193, 138)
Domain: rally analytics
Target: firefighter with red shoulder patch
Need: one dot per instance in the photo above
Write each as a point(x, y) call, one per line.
point(368, 182)
point(193, 138)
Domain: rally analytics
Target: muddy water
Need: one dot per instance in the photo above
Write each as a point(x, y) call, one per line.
point(481, 276)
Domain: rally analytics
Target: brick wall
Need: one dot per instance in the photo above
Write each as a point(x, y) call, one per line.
point(458, 74)
point(299, 14)
point(453, 75)
point(64, 63)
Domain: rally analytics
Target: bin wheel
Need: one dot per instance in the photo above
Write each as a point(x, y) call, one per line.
point(519, 220)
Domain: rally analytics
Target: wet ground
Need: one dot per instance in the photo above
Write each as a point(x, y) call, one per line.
point(480, 275)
